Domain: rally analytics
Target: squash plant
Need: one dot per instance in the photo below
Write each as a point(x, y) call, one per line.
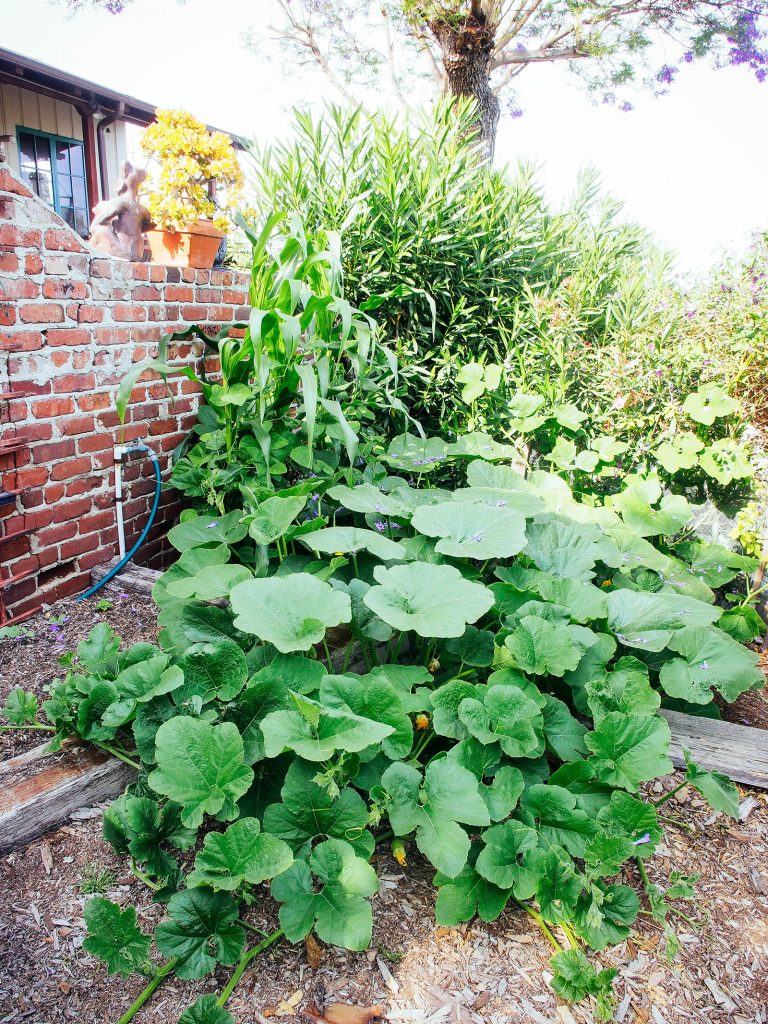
point(471, 673)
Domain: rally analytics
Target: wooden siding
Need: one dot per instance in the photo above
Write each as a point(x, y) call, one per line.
point(22, 107)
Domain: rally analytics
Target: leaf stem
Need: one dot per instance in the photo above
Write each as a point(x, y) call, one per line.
point(36, 728)
point(160, 975)
point(543, 925)
point(643, 872)
point(251, 927)
point(678, 822)
point(245, 959)
point(671, 793)
point(116, 753)
point(143, 877)
point(328, 659)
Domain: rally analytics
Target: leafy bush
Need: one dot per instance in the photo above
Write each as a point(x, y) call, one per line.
point(500, 653)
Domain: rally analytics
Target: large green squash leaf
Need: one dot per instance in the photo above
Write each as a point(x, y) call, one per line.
point(350, 539)
point(201, 767)
point(629, 749)
point(339, 911)
point(114, 937)
point(434, 806)
point(649, 621)
point(709, 659)
point(241, 854)
point(432, 600)
point(201, 931)
point(472, 530)
point(291, 612)
point(316, 732)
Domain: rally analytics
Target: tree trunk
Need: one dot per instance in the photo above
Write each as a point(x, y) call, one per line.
point(466, 51)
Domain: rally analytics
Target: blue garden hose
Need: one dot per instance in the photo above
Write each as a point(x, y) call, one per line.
point(138, 447)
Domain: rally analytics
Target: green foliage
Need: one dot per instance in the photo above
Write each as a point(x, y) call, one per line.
point(114, 937)
point(514, 636)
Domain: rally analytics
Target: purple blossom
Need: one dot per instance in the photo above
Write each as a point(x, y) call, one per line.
point(477, 537)
point(642, 840)
point(380, 525)
point(213, 525)
point(626, 107)
point(659, 373)
point(666, 75)
point(382, 509)
point(688, 57)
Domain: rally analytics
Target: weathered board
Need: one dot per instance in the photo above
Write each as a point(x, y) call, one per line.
point(133, 577)
point(738, 751)
point(39, 791)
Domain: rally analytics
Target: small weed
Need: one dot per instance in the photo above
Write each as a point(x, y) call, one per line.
point(103, 605)
point(96, 879)
point(392, 956)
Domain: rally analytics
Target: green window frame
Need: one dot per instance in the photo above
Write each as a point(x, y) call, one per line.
point(53, 167)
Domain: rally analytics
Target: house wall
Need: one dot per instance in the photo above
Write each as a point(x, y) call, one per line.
point(27, 109)
point(72, 321)
point(31, 110)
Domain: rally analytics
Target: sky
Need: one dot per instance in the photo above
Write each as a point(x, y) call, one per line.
point(690, 166)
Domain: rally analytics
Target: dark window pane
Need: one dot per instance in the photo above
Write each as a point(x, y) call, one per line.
point(65, 188)
point(43, 150)
point(62, 157)
point(78, 192)
point(26, 149)
point(68, 214)
point(81, 222)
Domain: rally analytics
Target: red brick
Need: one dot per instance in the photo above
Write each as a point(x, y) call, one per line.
point(10, 183)
point(7, 315)
point(94, 443)
point(243, 313)
point(90, 314)
point(68, 336)
point(41, 313)
point(83, 485)
point(53, 451)
point(112, 335)
point(194, 312)
point(31, 477)
point(156, 273)
point(68, 383)
point(221, 313)
point(234, 297)
point(101, 268)
point(92, 403)
point(48, 407)
point(54, 493)
point(33, 263)
point(146, 293)
point(75, 585)
point(9, 262)
point(140, 271)
point(100, 556)
point(71, 468)
point(77, 425)
point(65, 290)
point(126, 313)
point(21, 288)
point(56, 534)
point(60, 359)
point(64, 240)
point(12, 235)
point(179, 293)
point(38, 432)
point(97, 521)
point(80, 546)
point(69, 510)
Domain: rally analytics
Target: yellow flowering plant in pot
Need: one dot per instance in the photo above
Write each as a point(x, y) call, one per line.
point(188, 222)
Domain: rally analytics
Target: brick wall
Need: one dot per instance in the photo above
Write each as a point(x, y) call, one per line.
point(72, 321)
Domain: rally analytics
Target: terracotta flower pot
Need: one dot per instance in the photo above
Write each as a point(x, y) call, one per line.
point(194, 247)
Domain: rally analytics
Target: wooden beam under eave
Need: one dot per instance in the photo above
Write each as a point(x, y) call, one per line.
point(91, 165)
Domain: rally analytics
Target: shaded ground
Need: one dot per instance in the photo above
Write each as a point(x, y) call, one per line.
point(494, 974)
point(32, 661)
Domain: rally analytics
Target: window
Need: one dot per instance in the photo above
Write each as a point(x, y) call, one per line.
point(54, 168)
